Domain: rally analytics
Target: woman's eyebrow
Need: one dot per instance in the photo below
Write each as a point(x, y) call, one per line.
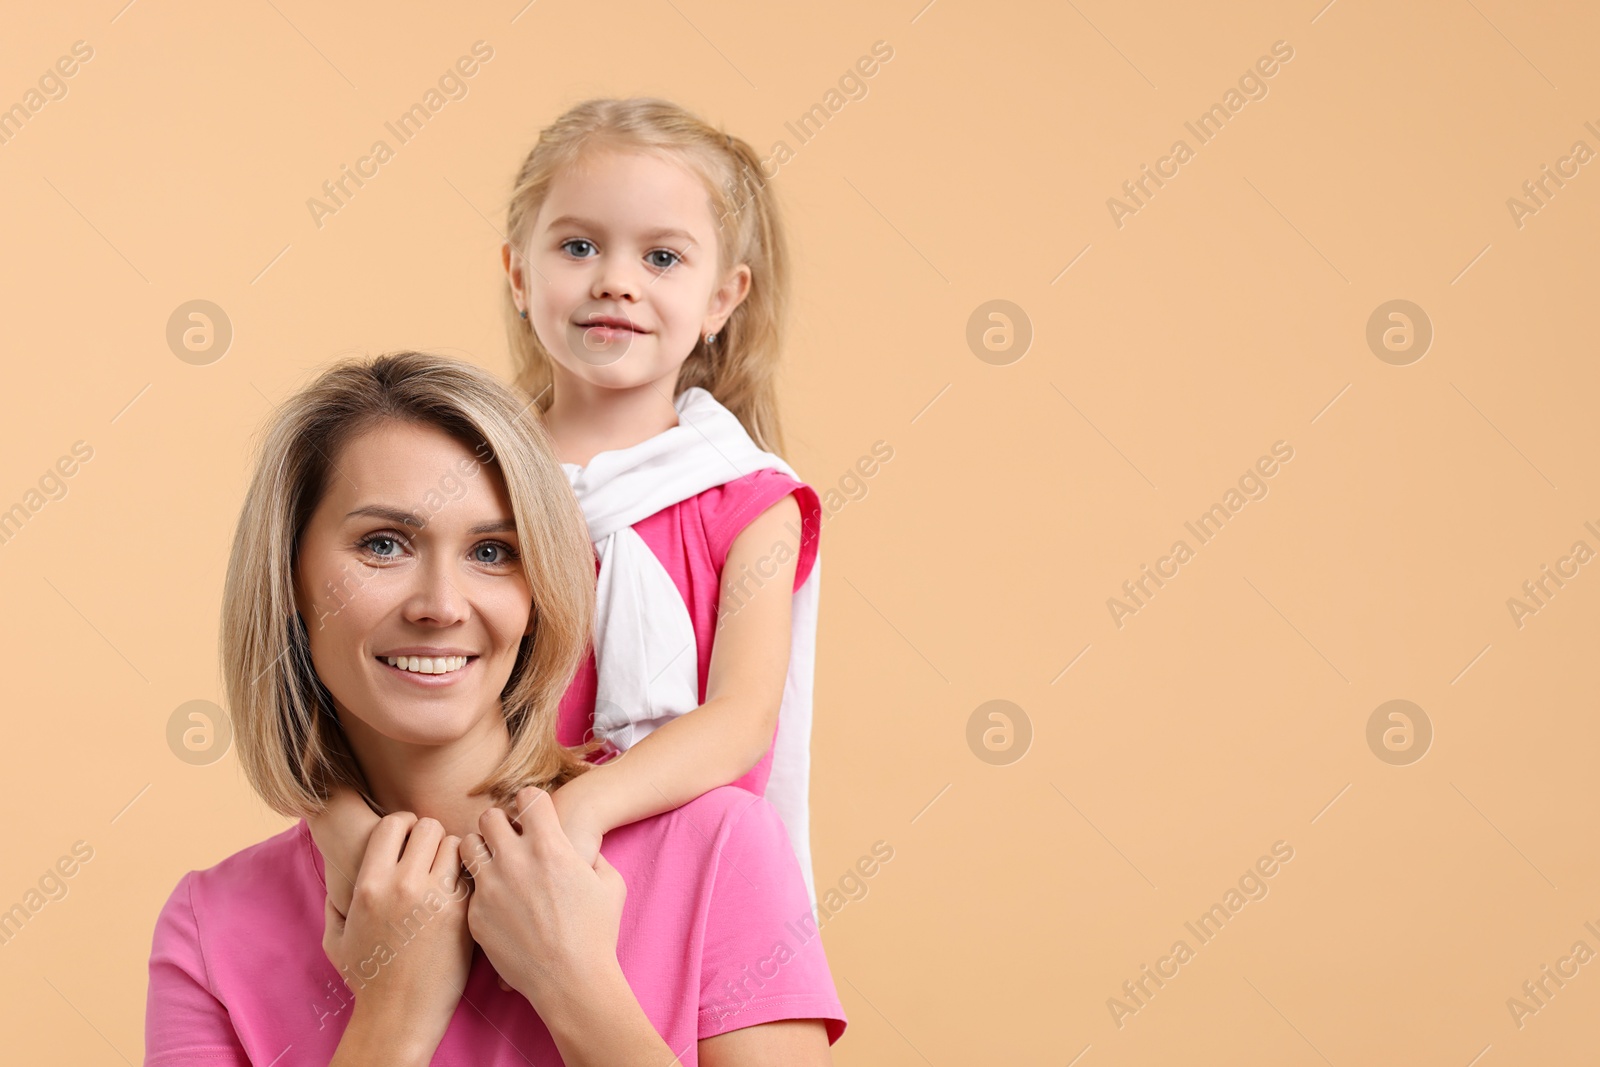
point(379, 511)
point(406, 518)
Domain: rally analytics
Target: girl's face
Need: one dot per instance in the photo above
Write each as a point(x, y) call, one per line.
point(627, 237)
point(412, 552)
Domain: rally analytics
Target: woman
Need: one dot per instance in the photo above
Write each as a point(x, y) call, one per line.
point(409, 593)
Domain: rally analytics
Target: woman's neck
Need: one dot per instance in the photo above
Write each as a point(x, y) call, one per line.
point(431, 780)
point(584, 419)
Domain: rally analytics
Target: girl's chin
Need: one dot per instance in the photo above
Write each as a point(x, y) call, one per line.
point(631, 370)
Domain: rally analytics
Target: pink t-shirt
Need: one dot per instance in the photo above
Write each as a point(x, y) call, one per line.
point(691, 539)
point(717, 934)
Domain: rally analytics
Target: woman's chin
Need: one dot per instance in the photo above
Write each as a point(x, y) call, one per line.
point(436, 730)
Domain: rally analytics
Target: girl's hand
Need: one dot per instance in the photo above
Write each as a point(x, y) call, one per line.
point(341, 834)
point(583, 831)
point(405, 949)
point(547, 921)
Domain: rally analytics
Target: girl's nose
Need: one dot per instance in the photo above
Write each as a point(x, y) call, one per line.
point(615, 281)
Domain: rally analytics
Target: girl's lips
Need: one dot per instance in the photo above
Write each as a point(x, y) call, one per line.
point(431, 681)
point(609, 333)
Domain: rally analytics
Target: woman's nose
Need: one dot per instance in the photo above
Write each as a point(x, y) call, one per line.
point(435, 597)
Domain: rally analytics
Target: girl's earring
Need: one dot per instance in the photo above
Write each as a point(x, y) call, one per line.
point(524, 312)
point(710, 337)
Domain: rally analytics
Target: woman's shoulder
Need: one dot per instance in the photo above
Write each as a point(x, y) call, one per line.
point(716, 814)
point(236, 960)
point(287, 848)
point(254, 882)
point(727, 828)
point(716, 880)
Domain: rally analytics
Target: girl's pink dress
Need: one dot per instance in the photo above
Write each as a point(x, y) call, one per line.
point(691, 539)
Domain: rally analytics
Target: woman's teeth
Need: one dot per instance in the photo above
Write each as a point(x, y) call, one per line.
point(427, 664)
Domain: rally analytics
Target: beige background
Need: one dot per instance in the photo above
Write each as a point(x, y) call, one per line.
point(1228, 313)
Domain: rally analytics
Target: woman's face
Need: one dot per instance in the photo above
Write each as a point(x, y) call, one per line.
point(412, 552)
point(629, 237)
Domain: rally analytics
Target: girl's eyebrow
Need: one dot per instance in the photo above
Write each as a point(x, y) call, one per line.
point(406, 518)
point(665, 231)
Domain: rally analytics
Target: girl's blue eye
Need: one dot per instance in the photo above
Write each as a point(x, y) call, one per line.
point(579, 247)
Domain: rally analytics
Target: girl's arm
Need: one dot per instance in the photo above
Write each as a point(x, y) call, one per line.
point(720, 741)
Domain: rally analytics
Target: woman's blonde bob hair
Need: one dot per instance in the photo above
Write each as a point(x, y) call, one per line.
point(289, 739)
point(740, 368)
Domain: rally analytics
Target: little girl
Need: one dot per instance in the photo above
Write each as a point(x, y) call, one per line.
point(648, 275)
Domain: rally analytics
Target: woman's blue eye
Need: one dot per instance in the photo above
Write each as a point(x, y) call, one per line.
point(507, 553)
point(376, 539)
point(502, 552)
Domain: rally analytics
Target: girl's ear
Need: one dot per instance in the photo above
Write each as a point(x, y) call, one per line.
point(513, 267)
point(731, 293)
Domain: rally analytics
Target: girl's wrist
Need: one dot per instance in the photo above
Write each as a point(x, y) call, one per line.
point(580, 803)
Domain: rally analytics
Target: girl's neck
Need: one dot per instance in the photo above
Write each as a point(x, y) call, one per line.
point(584, 419)
point(430, 780)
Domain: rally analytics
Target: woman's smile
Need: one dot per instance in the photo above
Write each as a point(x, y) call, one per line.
point(429, 671)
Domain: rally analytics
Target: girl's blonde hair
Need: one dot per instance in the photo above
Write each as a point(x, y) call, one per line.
point(290, 743)
point(740, 367)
